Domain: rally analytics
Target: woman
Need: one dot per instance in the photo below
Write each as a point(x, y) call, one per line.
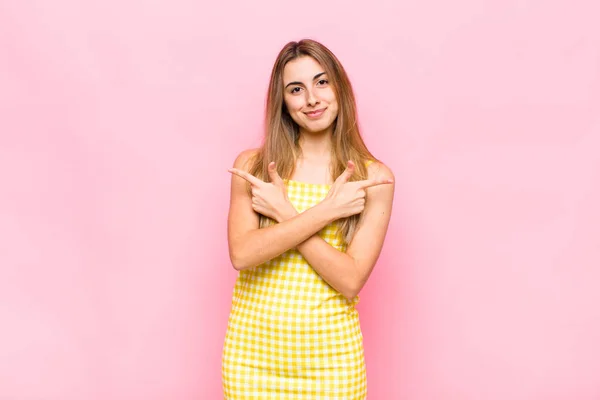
point(304, 238)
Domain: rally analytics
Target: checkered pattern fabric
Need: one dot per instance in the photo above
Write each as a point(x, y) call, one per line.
point(291, 335)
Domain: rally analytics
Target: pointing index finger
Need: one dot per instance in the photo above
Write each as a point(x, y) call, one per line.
point(367, 183)
point(245, 175)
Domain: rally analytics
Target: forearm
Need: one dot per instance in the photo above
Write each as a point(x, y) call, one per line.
point(260, 245)
point(337, 268)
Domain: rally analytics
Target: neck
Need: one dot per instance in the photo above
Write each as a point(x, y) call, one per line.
point(315, 144)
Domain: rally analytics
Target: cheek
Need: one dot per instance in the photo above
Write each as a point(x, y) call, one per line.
point(293, 104)
point(333, 105)
point(330, 97)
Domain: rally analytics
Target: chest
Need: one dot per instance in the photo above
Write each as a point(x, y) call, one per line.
point(304, 196)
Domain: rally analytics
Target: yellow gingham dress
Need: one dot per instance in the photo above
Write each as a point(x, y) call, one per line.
point(290, 335)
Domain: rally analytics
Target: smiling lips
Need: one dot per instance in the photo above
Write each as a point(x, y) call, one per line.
point(315, 114)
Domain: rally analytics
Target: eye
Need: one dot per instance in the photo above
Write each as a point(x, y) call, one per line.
point(323, 82)
point(295, 90)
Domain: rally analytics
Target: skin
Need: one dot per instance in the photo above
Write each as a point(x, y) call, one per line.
point(306, 90)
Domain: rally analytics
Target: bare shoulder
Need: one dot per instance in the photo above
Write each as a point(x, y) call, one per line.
point(378, 170)
point(243, 160)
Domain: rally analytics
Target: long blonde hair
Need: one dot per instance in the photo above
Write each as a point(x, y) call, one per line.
point(280, 142)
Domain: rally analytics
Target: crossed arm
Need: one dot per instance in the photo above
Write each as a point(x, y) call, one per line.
point(346, 272)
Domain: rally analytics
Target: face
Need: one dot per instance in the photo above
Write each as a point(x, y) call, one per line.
point(308, 96)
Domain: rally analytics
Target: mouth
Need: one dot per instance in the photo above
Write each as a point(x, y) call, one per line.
point(315, 113)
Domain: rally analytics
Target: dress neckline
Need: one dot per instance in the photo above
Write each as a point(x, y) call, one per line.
point(307, 183)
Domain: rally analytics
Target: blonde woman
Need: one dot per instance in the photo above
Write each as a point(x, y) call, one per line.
point(308, 217)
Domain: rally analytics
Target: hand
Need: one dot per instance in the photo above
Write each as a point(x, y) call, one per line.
point(348, 198)
point(269, 198)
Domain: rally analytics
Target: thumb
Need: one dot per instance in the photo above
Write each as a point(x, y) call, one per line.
point(275, 178)
point(343, 178)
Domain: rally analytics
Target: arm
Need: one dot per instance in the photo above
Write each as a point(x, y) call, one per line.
point(348, 272)
point(250, 246)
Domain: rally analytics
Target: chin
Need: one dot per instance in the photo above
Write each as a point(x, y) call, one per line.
point(320, 126)
point(317, 129)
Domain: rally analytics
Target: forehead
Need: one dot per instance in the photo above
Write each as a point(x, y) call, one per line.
point(301, 69)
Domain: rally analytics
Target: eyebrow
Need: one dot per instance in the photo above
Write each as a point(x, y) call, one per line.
point(300, 83)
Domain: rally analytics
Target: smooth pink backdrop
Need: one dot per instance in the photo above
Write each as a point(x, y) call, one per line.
point(119, 119)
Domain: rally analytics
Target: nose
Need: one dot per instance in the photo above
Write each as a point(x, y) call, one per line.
point(311, 99)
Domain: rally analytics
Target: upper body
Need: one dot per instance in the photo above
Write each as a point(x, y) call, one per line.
point(311, 137)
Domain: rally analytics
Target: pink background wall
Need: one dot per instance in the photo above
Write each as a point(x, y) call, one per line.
point(119, 119)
